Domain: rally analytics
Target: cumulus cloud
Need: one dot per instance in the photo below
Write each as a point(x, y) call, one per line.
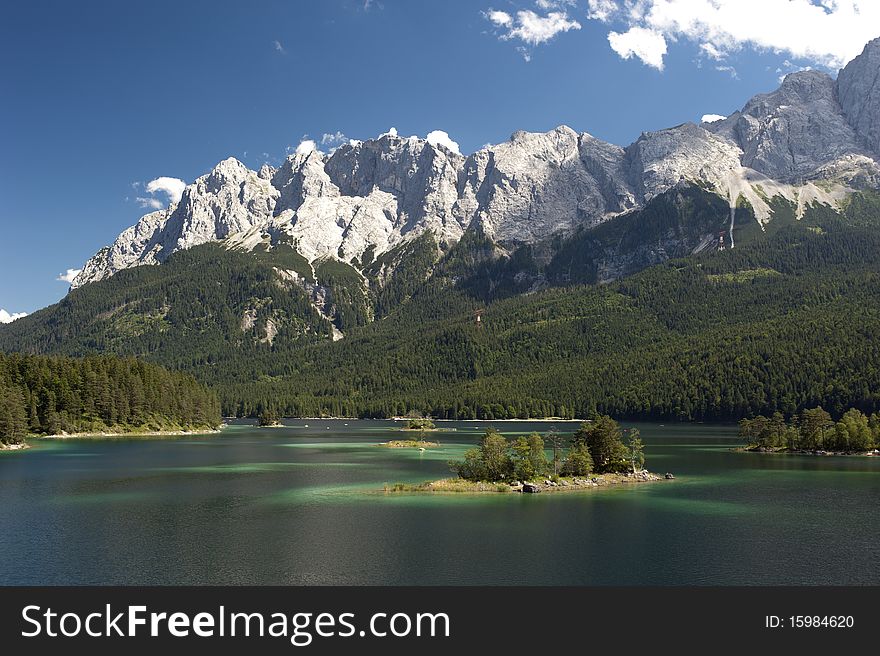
point(712, 118)
point(9, 317)
point(170, 188)
point(392, 132)
point(500, 18)
point(68, 275)
point(441, 138)
point(532, 28)
point(828, 32)
point(648, 45)
point(306, 146)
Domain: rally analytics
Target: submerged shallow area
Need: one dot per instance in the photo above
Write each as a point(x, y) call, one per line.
point(303, 504)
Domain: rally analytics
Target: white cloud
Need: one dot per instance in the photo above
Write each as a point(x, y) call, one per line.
point(278, 47)
point(392, 132)
point(7, 317)
point(827, 32)
point(532, 28)
point(646, 44)
point(306, 146)
point(555, 4)
point(602, 10)
point(171, 188)
point(441, 138)
point(500, 18)
point(334, 141)
point(535, 29)
point(68, 275)
point(712, 51)
point(712, 118)
point(150, 203)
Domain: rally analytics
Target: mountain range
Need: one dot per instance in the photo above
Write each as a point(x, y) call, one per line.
point(261, 274)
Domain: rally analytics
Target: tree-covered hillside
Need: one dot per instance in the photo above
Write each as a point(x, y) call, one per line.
point(788, 319)
point(47, 395)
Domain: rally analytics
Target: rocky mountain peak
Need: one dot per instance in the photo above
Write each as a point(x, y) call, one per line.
point(858, 89)
point(791, 132)
point(379, 193)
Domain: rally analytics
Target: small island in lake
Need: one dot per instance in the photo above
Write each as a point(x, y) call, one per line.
point(269, 419)
point(409, 444)
point(423, 426)
point(420, 426)
point(596, 456)
point(813, 432)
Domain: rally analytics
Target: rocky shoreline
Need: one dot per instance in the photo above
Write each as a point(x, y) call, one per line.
point(15, 447)
point(459, 486)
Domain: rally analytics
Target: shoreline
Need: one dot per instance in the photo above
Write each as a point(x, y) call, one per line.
point(15, 447)
point(802, 452)
point(573, 484)
point(177, 433)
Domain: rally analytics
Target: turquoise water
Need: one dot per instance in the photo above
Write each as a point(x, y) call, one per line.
point(303, 505)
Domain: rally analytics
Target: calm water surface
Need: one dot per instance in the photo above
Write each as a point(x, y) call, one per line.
point(301, 505)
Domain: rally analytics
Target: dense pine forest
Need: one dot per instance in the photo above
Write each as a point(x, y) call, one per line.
point(51, 395)
point(788, 320)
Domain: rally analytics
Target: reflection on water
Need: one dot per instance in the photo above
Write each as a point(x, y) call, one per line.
point(303, 505)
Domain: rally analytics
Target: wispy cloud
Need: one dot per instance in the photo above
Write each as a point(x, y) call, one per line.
point(150, 203)
point(332, 141)
point(68, 275)
point(531, 28)
point(827, 32)
point(278, 47)
point(9, 317)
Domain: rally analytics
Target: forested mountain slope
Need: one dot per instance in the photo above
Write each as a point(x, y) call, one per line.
point(788, 319)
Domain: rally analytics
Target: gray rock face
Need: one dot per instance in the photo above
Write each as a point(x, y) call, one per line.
point(660, 160)
point(537, 185)
point(788, 134)
point(858, 89)
point(380, 193)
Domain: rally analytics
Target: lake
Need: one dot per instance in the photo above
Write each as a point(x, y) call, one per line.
point(302, 505)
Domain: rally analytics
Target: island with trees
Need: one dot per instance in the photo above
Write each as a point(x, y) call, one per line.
point(813, 431)
point(56, 396)
point(595, 456)
point(269, 418)
point(420, 425)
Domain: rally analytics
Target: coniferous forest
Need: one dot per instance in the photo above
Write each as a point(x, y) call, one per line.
point(788, 320)
point(52, 395)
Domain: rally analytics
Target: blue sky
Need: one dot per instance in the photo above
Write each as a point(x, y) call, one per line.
point(98, 98)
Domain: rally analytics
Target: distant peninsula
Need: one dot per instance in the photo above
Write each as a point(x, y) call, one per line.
point(98, 396)
point(813, 432)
